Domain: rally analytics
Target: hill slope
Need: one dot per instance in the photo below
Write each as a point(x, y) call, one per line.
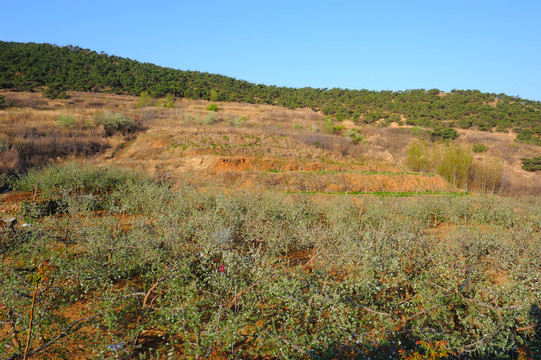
point(29, 66)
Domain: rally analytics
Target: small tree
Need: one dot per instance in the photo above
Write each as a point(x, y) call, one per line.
point(145, 100)
point(55, 91)
point(213, 95)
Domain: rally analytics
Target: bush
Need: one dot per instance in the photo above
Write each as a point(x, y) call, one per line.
point(212, 107)
point(5, 103)
point(479, 148)
point(169, 101)
point(55, 91)
point(443, 134)
point(418, 157)
point(238, 122)
point(531, 164)
point(66, 121)
point(75, 178)
point(210, 119)
point(145, 99)
point(328, 127)
point(114, 122)
point(353, 136)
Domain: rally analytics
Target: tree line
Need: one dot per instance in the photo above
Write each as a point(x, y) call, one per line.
point(29, 66)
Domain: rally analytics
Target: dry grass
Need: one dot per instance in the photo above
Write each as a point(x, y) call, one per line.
point(246, 145)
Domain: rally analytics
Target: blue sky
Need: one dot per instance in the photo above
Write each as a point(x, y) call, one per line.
point(492, 46)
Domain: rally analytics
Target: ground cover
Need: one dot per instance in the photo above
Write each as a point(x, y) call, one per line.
point(139, 268)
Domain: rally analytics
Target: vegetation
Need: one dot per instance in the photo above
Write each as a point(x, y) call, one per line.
point(66, 121)
point(479, 148)
point(212, 107)
point(30, 66)
point(115, 122)
point(134, 269)
point(532, 164)
point(4, 103)
point(456, 164)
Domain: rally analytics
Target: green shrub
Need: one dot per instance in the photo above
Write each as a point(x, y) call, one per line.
point(443, 134)
point(353, 136)
point(5, 103)
point(210, 119)
point(328, 127)
point(238, 122)
point(479, 148)
point(455, 165)
point(145, 99)
point(66, 121)
point(169, 101)
point(212, 107)
point(75, 178)
point(55, 91)
point(114, 122)
point(418, 157)
point(531, 164)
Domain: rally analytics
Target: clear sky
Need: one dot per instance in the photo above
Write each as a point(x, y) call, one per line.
point(492, 46)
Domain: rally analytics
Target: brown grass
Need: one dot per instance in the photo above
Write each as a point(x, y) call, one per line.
point(272, 147)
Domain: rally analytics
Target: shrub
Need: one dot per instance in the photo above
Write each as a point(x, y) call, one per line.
point(55, 91)
point(455, 165)
point(487, 176)
point(169, 101)
point(353, 136)
point(145, 99)
point(443, 134)
point(210, 119)
point(531, 164)
point(212, 107)
point(479, 148)
point(418, 157)
point(75, 178)
point(5, 103)
point(238, 122)
point(66, 121)
point(115, 122)
point(328, 127)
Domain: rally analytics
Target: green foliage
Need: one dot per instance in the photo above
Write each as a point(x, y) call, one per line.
point(479, 148)
point(531, 164)
point(145, 99)
point(85, 70)
point(431, 351)
point(238, 121)
point(66, 121)
point(455, 165)
point(210, 119)
point(212, 107)
point(114, 122)
point(328, 127)
point(353, 135)
point(213, 95)
point(75, 178)
point(169, 101)
point(5, 103)
point(247, 275)
point(443, 134)
point(55, 91)
point(529, 136)
point(419, 157)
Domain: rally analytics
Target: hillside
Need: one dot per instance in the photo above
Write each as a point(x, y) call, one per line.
point(251, 146)
point(34, 66)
